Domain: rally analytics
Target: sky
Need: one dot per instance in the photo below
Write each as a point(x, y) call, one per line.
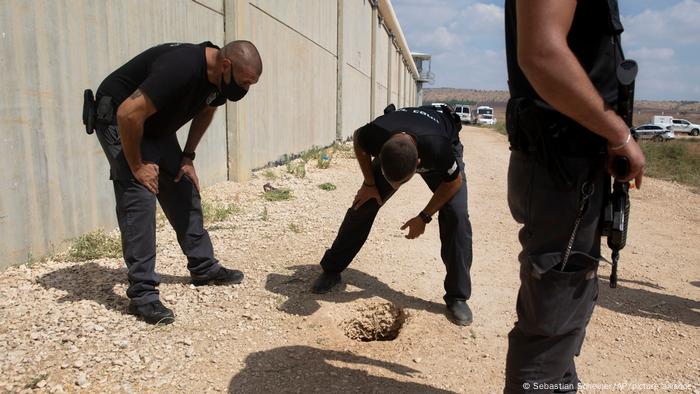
point(466, 40)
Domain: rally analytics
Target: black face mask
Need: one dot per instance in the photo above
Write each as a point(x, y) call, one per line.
point(232, 91)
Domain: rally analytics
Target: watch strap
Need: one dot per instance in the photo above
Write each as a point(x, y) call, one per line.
point(425, 217)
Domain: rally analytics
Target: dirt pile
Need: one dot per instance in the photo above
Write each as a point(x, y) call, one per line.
point(376, 322)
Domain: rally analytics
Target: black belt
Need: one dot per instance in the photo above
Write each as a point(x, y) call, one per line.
point(535, 129)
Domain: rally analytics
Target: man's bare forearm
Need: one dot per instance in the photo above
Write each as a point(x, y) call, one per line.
point(199, 126)
point(442, 195)
point(365, 161)
point(131, 134)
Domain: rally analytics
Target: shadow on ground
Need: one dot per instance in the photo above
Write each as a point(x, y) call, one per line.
point(649, 304)
point(92, 281)
point(300, 301)
point(303, 369)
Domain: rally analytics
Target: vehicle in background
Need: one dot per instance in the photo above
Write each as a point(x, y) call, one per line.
point(484, 110)
point(653, 132)
point(438, 106)
point(486, 119)
point(683, 126)
point(662, 121)
point(464, 112)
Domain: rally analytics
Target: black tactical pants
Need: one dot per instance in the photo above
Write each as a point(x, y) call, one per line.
point(136, 213)
point(455, 232)
point(554, 306)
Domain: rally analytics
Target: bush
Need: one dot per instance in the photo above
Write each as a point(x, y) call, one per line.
point(677, 161)
point(278, 194)
point(94, 245)
point(217, 213)
point(327, 186)
point(297, 168)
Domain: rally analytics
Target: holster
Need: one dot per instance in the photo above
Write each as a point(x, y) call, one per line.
point(100, 112)
point(89, 111)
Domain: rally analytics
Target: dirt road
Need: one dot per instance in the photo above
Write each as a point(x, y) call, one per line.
point(63, 326)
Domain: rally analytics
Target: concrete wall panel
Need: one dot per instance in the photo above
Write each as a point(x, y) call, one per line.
point(293, 105)
point(356, 93)
point(357, 28)
point(314, 19)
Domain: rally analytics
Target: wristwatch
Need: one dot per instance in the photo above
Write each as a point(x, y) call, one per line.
point(189, 155)
point(425, 217)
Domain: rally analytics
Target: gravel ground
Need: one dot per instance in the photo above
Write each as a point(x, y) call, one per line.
point(63, 326)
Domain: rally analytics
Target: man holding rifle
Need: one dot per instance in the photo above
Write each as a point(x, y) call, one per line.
point(563, 57)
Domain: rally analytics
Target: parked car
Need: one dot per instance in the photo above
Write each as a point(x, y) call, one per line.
point(438, 106)
point(486, 119)
point(653, 132)
point(464, 112)
point(683, 126)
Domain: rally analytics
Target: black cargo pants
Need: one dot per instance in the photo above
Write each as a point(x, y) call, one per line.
point(455, 232)
point(136, 213)
point(553, 307)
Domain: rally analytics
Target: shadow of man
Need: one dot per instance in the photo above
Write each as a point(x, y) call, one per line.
point(303, 369)
point(301, 301)
point(95, 282)
point(649, 304)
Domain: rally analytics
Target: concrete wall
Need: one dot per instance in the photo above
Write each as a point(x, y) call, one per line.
point(357, 65)
point(316, 87)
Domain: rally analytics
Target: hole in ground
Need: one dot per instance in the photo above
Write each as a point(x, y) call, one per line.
point(377, 321)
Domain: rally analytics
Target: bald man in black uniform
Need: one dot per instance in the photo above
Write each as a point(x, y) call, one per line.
point(140, 106)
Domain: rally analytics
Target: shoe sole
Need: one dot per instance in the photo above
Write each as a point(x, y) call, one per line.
point(460, 322)
point(209, 282)
point(164, 321)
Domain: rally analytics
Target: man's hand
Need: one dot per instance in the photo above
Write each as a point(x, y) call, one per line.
point(416, 227)
point(187, 169)
point(365, 194)
point(634, 154)
point(147, 175)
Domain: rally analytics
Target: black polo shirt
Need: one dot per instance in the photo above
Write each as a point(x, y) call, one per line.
point(174, 77)
point(435, 133)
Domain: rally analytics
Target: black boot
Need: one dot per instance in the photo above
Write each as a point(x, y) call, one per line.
point(459, 313)
point(325, 282)
point(152, 313)
point(223, 276)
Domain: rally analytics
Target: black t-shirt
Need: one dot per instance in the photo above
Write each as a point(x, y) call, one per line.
point(174, 77)
point(435, 133)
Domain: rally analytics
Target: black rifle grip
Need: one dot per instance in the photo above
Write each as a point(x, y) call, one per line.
point(621, 166)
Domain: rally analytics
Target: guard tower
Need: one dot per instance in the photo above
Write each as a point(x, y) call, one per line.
point(422, 61)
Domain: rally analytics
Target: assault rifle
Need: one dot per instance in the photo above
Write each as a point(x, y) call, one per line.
point(617, 209)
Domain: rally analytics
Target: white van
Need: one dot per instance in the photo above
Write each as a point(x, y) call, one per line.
point(662, 121)
point(484, 115)
point(464, 112)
